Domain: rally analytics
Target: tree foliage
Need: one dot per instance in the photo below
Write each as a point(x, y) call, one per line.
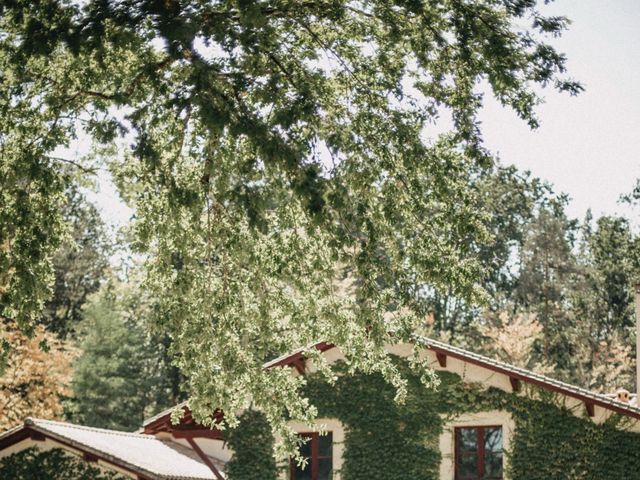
point(570, 311)
point(273, 146)
point(510, 200)
point(79, 264)
point(36, 377)
point(123, 374)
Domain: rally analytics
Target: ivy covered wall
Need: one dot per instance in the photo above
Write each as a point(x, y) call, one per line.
point(387, 441)
point(54, 464)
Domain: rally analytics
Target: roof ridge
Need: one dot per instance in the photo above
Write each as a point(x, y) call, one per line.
point(36, 422)
point(427, 341)
point(525, 371)
point(72, 436)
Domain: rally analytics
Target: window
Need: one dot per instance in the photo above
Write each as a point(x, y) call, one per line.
point(318, 450)
point(478, 453)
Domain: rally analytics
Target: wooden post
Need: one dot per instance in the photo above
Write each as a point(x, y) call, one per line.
point(637, 301)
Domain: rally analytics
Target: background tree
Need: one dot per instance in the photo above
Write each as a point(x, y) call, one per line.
point(573, 287)
point(267, 143)
point(122, 375)
point(510, 201)
point(36, 377)
point(546, 279)
point(514, 340)
point(79, 264)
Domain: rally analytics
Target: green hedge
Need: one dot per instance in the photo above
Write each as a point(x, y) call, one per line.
point(55, 464)
point(387, 441)
point(252, 443)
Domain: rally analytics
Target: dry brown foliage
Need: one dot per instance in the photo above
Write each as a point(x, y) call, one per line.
point(611, 364)
point(34, 380)
point(512, 339)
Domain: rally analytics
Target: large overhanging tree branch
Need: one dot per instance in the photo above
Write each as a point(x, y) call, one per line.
point(284, 187)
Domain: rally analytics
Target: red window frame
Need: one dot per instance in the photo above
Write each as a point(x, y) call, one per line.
point(315, 458)
point(480, 467)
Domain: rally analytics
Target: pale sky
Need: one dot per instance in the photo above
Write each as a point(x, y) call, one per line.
point(587, 146)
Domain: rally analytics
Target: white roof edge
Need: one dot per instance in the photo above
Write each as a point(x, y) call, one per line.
point(40, 425)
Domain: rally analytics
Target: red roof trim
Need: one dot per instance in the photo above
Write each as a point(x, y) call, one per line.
point(442, 351)
point(162, 422)
point(521, 374)
point(187, 424)
point(298, 356)
point(15, 437)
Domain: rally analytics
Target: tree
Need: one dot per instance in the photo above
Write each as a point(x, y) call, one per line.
point(79, 264)
point(576, 281)
point(610, 256)
point(36, 377)
point(54, 464)
point(511, 201)
point(603, 303)
point(513, 340)
point(121, 376)
point(273, 146)
point(548, 274)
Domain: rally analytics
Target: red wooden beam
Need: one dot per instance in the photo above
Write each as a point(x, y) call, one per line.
point(442, 359)
point(36, 436)
point(187, 433)
point(515, 384)
point(300, 365)
point(590, 408)
point(89, 457)
point(291, 359)
point(163, 424)
point(205, 459)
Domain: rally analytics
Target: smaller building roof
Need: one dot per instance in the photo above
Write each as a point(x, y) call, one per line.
point(144, 455)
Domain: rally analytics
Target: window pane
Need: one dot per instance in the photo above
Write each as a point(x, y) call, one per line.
point(298, 472)
point(324, 469)
point(305, 447)
point(467, 466)
point(325, 443)
point(467, 439)
point(302, 474)
point(493, 439)
point(493, 465)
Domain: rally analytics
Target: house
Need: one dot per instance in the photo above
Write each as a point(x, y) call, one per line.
point(486, 420)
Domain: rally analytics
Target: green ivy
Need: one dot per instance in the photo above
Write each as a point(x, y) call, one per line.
point(390, 441)
point(252, 442)
point(55, 464)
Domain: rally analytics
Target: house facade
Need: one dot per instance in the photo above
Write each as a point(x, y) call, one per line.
point(486, 420)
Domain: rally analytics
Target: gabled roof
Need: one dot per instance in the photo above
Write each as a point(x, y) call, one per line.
point(143, 455)
point(442, 350)
point(161, 421)
point(517, 374)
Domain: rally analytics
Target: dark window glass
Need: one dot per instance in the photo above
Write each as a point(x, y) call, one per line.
point(468, 466)
point(318, 450)
point(325, 445)
point(478, 453)
point(305, 448)
point(301, 473)
point(325, 465)
point(493, 466)
point(468, 439)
